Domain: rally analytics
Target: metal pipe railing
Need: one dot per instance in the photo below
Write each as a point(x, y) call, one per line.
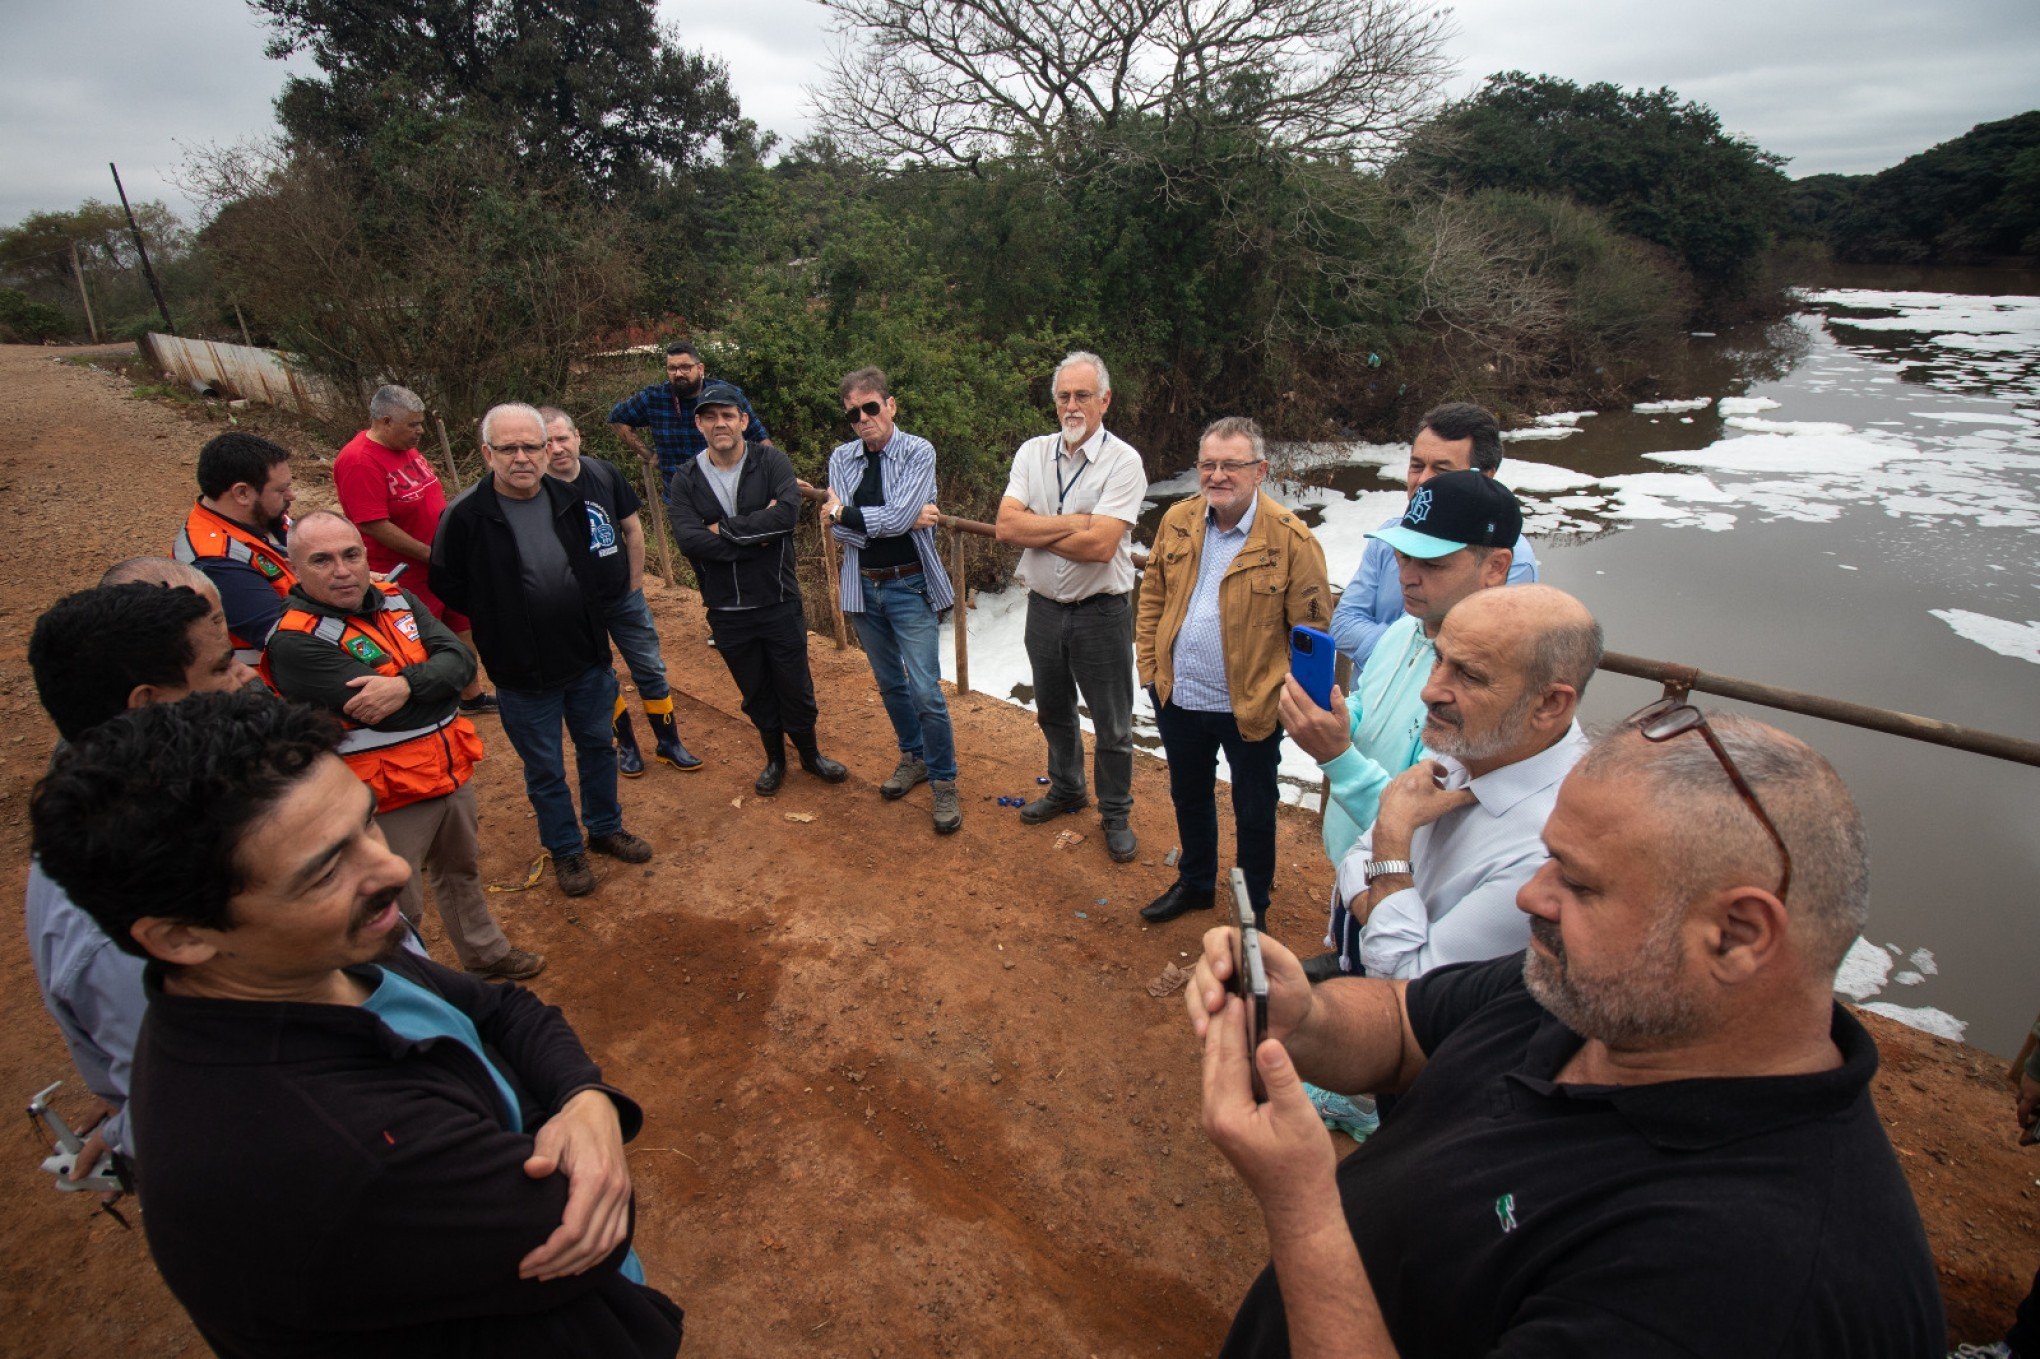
point(1678, 680)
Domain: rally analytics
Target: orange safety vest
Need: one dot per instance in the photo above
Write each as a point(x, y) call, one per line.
point(401, 766)
point(207, 533)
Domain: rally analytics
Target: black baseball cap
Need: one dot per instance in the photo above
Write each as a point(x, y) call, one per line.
point(716, 392)
point(1455, 510)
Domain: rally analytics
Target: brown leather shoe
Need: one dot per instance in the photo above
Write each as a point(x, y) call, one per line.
point(516, 965)
point(575, 878)
point(621, 845)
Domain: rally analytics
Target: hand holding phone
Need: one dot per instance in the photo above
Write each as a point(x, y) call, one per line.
point(1314, 660)
point(1249, 979)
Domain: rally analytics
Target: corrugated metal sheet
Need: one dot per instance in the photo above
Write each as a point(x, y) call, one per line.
point(263, 375)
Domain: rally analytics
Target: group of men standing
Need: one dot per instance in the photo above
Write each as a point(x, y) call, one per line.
point(264, 858)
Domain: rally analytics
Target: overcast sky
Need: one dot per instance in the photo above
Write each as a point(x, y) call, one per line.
point(1843, 87)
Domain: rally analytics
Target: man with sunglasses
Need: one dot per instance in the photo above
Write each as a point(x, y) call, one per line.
point(1230, 573)
point(881, 507)
point(1069, 505)
point(528, 557)
point(1650, 1135)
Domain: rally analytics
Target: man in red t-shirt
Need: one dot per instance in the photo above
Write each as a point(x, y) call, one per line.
point(393, 496)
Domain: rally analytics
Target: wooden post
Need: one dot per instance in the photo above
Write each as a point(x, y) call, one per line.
point(961, 584)
point(446, 447)
point(142, 251)
point(243, 321)
point(658, 521)
point(78, 272)
point(834, 585)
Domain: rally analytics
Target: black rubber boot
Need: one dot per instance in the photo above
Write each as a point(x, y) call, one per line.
point(816, 763)
point(629, 761)
point(774, 773)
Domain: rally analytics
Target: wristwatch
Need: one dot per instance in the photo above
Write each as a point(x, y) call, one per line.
point(1384, 868)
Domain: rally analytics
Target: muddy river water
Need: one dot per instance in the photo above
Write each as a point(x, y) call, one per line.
point(1848, 504)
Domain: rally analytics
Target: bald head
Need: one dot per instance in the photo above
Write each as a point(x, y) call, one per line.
point(162, 571)
point(1512, 663)
point(1705, 838)
point(331, 563)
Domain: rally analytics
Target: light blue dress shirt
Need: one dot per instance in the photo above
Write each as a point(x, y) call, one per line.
point(1198, 657)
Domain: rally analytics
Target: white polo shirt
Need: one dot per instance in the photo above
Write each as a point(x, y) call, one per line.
point(1104, 476)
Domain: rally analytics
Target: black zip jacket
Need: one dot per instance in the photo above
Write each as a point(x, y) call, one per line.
point(319, 1186)
point(476, 570)
point(748, 561)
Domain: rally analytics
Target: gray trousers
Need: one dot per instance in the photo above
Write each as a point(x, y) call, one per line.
point(1085, 647)
point(437, 837)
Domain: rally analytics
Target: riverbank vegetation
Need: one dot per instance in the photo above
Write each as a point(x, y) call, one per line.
point(1243, 207)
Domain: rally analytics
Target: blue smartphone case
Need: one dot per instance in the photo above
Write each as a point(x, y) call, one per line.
point(1313, 659)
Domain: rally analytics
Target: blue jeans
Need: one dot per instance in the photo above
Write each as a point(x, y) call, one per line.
point(629, 621)
point(903, 638)
point(531, 719)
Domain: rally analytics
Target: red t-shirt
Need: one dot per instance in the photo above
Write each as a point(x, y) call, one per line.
point(375, 482)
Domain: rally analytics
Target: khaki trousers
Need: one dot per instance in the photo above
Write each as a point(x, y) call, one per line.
point(438, 838)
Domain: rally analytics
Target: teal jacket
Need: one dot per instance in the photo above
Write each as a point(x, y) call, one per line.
point(1386, 716)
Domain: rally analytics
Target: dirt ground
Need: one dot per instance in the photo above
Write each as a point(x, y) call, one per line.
point(904, 1095)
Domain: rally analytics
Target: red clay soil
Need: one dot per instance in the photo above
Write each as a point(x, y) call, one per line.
point(904, 1095)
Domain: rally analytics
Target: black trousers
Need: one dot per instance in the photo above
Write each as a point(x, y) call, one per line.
point(766, 651)
point(1192, 741)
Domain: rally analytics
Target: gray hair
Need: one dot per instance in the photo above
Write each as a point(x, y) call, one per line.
point(393, 400)
point(1568, 653)
point(1236, 427)
point(159, 571)
point(1711, 839)
point(510, 408)
point(1083, 356)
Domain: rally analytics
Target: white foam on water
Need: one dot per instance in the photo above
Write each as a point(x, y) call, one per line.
point(1966, 418)
point(1923, 960)
point(1760, 426)
point(1698, 403)
point(1926, 1018)
point(1565, 417)
point(2020, 641)
point(1864, 970)
point(1908, 978)
point(1842, 455)
point(1745, 405)
point(1519, 475)
point(1539, 432)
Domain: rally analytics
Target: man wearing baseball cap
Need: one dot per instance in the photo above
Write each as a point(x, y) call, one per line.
point(733, 507)
point(1453, 539)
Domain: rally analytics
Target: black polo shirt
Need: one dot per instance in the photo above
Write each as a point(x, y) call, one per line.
point(1501, 1214)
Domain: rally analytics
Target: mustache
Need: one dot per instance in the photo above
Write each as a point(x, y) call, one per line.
point(1442, 714)
point(1546, 932)
point(375, 906)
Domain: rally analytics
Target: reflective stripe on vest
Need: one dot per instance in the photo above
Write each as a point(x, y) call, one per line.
point(226, 540)
point(359, 740)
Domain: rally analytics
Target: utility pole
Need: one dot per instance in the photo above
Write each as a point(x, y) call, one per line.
point(78, 272)
point(169, 326)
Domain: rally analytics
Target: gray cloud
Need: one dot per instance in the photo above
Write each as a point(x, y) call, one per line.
point(1834, 87)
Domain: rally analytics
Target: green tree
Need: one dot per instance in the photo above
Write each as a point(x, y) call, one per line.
point(592, 92)
point(1974, 198)
point(1659, 166)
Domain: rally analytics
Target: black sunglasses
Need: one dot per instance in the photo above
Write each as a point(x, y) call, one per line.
point(1668, 718)
point(856, 413)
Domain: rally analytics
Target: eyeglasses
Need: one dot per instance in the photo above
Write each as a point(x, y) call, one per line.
point(1075, 398)
point(1217, 465)
point(512, 450)
point(1668, 718)
point(869, 409)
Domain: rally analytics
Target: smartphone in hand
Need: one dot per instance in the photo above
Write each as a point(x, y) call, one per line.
point(1313, 659)
point(1249, 977)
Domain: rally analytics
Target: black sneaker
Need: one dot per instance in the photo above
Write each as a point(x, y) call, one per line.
point(1048, 808)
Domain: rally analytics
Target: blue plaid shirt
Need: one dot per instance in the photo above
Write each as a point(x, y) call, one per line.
point(671, 420)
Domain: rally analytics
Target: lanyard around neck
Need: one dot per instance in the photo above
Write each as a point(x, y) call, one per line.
point(1062, 488)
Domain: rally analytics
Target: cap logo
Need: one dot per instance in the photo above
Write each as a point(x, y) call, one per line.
point(1420, 507)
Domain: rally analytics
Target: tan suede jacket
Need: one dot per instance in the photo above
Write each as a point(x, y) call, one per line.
point(1277, 582)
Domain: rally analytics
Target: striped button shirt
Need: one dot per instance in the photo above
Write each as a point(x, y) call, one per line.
point(907, 470)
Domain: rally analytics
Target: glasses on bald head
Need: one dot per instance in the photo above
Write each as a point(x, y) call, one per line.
point(1668, 719)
